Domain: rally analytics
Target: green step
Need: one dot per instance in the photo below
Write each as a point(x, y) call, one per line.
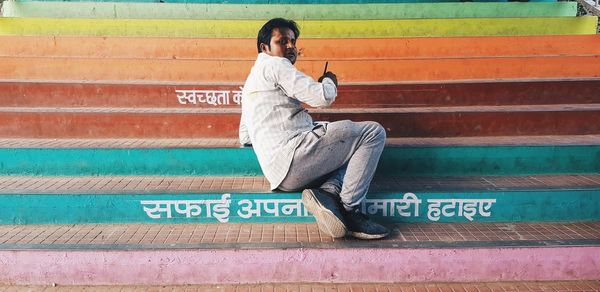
point(223, 161)
point(389, 28)
point(402, 205)
point(124, 10)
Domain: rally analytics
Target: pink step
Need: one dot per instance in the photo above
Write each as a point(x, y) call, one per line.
point(176, 254)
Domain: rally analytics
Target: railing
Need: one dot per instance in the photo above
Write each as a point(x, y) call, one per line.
point(592, 6)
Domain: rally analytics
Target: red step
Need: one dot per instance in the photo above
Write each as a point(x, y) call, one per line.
point(33, 94)
point(223, 123)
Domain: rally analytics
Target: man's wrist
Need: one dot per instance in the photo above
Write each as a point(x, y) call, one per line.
point(329, 80)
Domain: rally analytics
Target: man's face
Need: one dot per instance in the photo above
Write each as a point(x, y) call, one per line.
point(283, 44)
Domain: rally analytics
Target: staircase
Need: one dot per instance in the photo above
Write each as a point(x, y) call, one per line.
point(119, 163)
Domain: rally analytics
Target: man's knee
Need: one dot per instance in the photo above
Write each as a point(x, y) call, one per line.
point(372, 131)
point(381, 130)
point(378, 131)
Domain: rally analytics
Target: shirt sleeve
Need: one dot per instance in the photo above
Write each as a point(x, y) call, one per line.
point(302, 87)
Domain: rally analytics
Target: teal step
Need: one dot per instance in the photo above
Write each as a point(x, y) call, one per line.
point(124, 10)
point(292, 1)
point(229, 161)
point(435, 199)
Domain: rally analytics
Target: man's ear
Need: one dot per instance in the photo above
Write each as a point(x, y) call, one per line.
point(264, 47)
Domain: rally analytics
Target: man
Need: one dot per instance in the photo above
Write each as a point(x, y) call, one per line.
point(333, 162)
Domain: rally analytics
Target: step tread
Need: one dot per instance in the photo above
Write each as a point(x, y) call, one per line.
point(178, 184)
point(233, 143)
point(398, 110)
point(283, 235)
point(260, 184)
point(431, 287)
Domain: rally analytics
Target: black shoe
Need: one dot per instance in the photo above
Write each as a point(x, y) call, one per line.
point(360, 226)
point(326, 210)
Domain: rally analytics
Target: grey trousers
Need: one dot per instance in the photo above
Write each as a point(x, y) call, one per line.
point(338, 157)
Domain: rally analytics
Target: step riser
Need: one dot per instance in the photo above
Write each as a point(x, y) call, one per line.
point(307, 11)
point(347, 265)
point(309, 28)
point(319, 49)
point(230, 71)
point(203, 125)
point(23, 94)
point(126, 207)
point(401, 161)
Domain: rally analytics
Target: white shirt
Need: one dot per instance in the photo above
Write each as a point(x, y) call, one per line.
point(273, 119)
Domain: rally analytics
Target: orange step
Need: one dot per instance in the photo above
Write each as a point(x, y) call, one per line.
point(311, 49)
point(348, 71)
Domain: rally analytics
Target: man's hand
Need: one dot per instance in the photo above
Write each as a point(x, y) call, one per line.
point(329, 75)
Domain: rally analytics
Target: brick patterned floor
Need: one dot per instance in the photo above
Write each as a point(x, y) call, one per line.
point(426, 287)
point(198, 143)
point(186, 234)
point(154, 184)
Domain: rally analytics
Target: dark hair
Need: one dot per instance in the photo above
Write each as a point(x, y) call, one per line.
point(264, 34)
